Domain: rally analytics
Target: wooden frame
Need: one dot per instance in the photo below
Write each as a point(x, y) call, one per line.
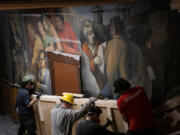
point(15, 5)
point(55, 60)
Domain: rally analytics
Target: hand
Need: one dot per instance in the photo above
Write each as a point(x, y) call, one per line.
point(92, 100)
point(108, 122)
point(98, 60)
point(38, 95)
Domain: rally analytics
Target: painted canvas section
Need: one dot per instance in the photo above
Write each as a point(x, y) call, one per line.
point(127, 40)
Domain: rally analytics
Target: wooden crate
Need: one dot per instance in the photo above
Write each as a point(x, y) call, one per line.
point(46, 103)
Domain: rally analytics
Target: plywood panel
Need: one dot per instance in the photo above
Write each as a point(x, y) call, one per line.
point(66, 78)
point(65, 73)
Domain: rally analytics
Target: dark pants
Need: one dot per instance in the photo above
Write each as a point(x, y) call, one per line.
point(144, 132)
point(27, 123)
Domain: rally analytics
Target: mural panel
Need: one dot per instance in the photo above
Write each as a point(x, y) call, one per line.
point(123, 40)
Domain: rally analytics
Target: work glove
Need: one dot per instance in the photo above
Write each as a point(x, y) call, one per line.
point(108, 122)
point(92, 100)
point(38, 95)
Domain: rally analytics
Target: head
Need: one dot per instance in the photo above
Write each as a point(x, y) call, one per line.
point(28, 82)
point(42, 59)
point(121, 85)
point(132, 33)
point(67, 100)
point(87, 33)
point(146, 39)
point(59, 21)
point(45, 22)
point(116, 26)
point(30, 32)
point(40, 28)
point(94, 114)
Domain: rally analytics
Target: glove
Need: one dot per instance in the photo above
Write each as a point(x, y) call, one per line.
point(38, 95)
point(92, 100)
point(108, 122)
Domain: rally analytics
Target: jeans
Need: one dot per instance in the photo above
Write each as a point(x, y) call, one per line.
point(27, 123)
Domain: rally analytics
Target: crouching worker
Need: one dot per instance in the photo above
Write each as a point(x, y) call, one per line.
point(135, 109)
point(63, 117)
point(91, 126)
point(24, 106)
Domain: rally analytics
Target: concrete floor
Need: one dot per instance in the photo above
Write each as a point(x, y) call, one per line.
point(8, 126)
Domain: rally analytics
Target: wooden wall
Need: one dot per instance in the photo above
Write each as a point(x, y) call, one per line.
point(8, 95)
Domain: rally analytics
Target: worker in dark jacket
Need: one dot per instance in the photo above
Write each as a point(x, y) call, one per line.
point(91, 125)
point(24, 106)
point(63, 117)
point(135, 109)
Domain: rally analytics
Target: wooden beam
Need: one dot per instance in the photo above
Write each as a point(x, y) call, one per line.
point(11, 5)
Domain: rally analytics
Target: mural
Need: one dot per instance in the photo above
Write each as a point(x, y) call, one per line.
point(17, 48)
point(113, 41)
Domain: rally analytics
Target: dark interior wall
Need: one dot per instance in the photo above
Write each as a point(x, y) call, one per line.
point(150, 38)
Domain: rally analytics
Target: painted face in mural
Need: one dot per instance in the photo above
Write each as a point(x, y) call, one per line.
point(90, 37)
point(112, 30)
point(31, 32)
point(58, 23)
point(148, 44)
point(89, 33)
point(41, 29)
point(45, 24)
point(42, 60)
point(13, 27)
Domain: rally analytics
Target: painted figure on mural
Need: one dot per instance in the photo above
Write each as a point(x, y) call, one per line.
point(16, 49)
point(137, 74)
point(115, 54)
point(34, 45)
point(50, 38)
point(91, 48)
point(66, 34)
point(152, 62)
point(44, 79)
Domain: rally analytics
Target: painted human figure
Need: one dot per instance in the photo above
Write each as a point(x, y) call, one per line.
point(115, 54)
point(91, 47)
point(152, 63)
point(44, 80)
point(66, 34)
point(35, 45)
point(17, 50)
point(49, 35)
point(137, 74)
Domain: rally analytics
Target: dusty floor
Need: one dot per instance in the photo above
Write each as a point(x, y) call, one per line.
point(8, 126)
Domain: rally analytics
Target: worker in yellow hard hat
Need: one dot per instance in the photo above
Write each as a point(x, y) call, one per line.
point(63, 117)
point(68, 100)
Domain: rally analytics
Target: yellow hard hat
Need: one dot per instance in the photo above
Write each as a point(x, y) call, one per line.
point(68, 98)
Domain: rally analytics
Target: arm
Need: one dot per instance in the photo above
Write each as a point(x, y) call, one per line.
point(46, 85)
point(27, 101)
point(77, 114)
point(31, 102)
